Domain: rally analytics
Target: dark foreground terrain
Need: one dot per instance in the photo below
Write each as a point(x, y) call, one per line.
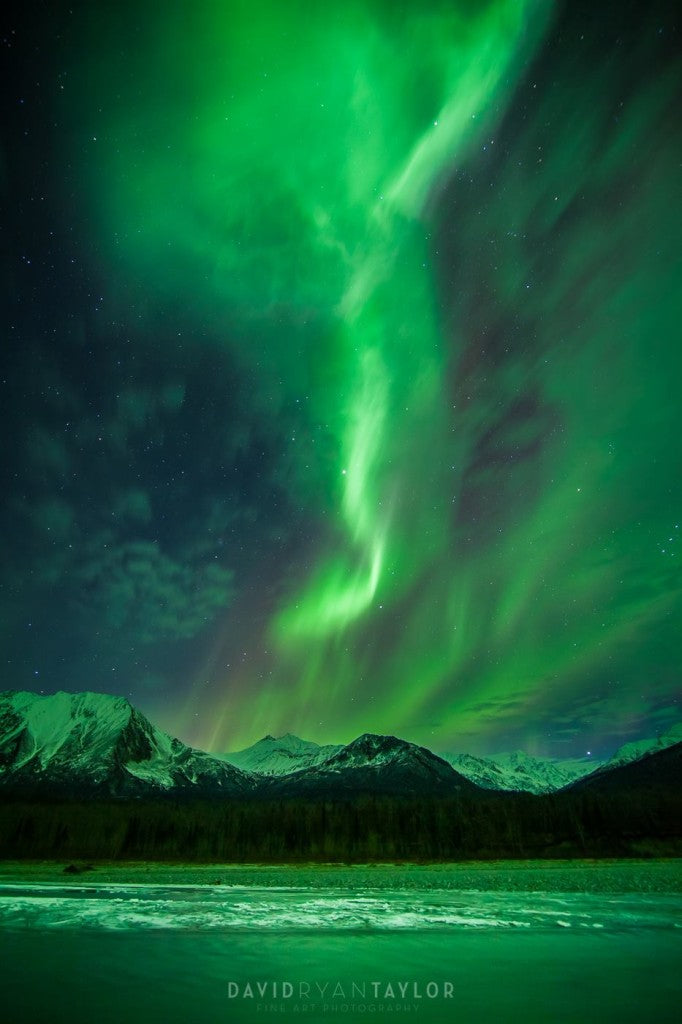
point(581, 822)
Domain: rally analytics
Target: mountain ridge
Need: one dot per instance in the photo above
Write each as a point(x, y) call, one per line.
point(376, 764)
point(100, 744)
point(280, 755)
point(513, 772)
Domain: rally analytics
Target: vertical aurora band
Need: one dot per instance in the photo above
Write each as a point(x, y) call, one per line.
point(281, 171)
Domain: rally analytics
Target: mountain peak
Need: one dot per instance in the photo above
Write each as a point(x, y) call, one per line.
point(517, 771)
point(85, 742)
point(636, 750)
point(377, 764)
point(25, 697)
point(287, 739)
point(372, 749)
point(373, 743)
point(279, 755)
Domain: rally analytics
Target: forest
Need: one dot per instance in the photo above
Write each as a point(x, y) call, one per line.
point(363, 828)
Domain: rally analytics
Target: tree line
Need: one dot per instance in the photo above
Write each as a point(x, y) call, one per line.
point(364, 828)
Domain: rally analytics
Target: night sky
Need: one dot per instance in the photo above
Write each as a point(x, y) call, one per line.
point(341, 367)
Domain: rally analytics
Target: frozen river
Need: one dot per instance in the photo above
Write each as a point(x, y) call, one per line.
point(498, 943)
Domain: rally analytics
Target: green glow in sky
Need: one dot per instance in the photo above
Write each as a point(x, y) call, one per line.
point(472, 319)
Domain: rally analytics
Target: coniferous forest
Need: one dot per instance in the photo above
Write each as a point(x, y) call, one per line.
point(362, 828)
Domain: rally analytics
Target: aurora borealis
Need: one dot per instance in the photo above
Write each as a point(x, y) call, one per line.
point(342, 363)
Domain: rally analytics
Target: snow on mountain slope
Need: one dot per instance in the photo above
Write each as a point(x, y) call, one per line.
point(519, 771)
point(642, 748)
point(631, 753)
point(660, 768)
point(381, 764)
point(279, 756)
point(97, 741)
point(376, 750)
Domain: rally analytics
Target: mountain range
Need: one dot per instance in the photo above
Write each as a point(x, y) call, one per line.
point(94, 744)
point(517, 772)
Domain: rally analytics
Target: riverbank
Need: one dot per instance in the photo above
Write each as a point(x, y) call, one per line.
point(598, 876)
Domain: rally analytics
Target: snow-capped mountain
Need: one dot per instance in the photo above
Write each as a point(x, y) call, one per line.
point(642, 748)
point(82, 742)
point(630, 755)
point(377, 764)
point(280, 756)
point(520, 772)
point(97, 744)
point(659, 769)
point(515, 772)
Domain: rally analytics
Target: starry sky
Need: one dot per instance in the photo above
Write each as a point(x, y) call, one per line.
point(341, 367)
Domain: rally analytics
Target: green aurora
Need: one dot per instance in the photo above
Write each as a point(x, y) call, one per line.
point(441, 241)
